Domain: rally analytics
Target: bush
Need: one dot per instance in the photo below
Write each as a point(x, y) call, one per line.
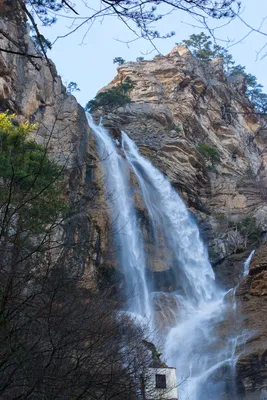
point(208, 152)
point(33, 178)
point(111, 99)
point(240, 234)
point(118, 60)
point(248, 227)
point(177, 128)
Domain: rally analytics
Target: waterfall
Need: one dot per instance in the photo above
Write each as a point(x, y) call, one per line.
point(169, 216)
point(127, 234)
point(192, 345)
point(247, 263)
point(202, 355)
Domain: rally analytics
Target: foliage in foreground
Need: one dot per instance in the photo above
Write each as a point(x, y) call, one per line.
point(58, 339)
point(138, 16)
point(30, 192)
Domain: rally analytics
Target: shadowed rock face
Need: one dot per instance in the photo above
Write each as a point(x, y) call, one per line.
point(33, 91)
point(252, 305)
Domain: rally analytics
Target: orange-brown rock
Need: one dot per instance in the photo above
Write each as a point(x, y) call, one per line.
point(180, 103)
point(252, 311)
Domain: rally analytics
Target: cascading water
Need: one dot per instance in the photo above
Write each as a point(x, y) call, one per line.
point(170, 217)
point(203, 358)
point(128, 238)
point(247, 263)
point(192, 345)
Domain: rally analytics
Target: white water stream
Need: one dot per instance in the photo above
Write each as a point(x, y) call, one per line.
point(201, 345)
point(128, 237)
point(247, 263)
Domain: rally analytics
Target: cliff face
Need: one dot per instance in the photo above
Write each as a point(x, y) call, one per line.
point(197, 126)
point(31, 89)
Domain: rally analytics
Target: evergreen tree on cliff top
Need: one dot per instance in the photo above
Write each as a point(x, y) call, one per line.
point(204, 49)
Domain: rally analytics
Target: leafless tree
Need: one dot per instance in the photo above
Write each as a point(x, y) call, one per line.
point(59, 337)
point(138, 16)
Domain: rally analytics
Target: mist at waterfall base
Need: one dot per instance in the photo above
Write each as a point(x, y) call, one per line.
point(199, 341)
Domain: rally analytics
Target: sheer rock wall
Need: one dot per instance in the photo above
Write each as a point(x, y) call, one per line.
point(32, 89)
point(180, 103)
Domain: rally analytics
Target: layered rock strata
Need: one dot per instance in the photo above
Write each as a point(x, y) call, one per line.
point(198, 127)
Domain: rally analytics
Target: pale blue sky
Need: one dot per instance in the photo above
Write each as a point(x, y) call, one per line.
point(91, 66)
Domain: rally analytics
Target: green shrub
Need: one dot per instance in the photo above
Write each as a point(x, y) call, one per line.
point(177, 128)
point(29, 179)
point(221, 217)
point(208, 152)
point(118, 60)
point(111, 99)
point(249, 228)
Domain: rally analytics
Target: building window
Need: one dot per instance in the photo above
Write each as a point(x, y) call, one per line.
point(160, 381)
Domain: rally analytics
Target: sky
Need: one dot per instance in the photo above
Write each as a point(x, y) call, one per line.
point(87, 59)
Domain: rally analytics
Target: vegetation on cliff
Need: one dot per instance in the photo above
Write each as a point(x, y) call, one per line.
point(113, 98)
point(30, 192)
point(209, 153)
point(204, 49)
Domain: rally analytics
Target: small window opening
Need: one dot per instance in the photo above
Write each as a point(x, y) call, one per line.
point(160, 381)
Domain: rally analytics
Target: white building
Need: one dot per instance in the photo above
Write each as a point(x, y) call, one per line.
point(160, 384)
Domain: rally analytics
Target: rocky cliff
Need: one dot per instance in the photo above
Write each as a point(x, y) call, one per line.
point(198, 127)
point(32, 89)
